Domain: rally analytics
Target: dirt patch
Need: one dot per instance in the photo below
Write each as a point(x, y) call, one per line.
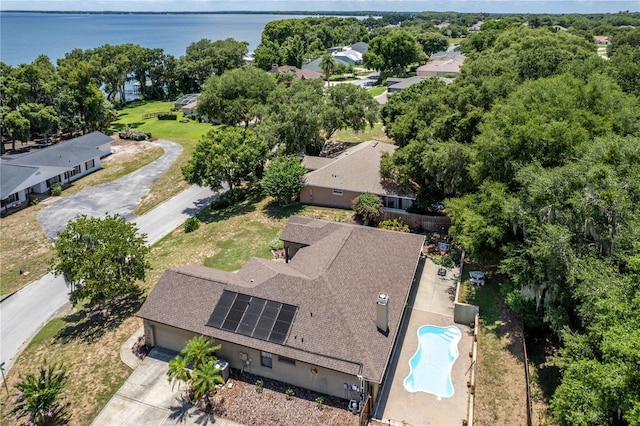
point(123, 150)
point(240, 400)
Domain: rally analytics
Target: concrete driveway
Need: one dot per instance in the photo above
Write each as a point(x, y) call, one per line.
point(147, 398)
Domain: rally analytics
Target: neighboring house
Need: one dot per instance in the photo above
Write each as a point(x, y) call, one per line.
point(302, 74)
point(602, 40)
point(346, 55)
point(38, 170)
point(326, 320)
point(476, 26)
point(442, 64)
point(186, 100)
point(190, 109)
point(336, 181)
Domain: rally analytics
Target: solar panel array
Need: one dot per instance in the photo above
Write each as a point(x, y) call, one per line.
point(253, 316)
point(187, 99)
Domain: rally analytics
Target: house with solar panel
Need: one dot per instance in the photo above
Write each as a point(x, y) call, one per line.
point(37, 171)
point(325, 319)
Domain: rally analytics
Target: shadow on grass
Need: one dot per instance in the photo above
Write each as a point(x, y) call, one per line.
point(248, 202)
point(274, 210)
point(541, 346)
point(92, 322)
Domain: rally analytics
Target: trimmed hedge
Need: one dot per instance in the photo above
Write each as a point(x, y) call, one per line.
point(167, 116)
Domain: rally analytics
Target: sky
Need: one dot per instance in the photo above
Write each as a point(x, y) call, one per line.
point(489, 6)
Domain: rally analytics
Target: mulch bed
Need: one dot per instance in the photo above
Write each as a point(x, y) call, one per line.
point(246, 403)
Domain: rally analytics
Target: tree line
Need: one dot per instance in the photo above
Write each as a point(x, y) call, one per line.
point(535, 151)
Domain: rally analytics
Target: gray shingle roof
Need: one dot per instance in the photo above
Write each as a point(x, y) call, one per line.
point(15, 170)
point(357, 169)
point(64, 154)
point(335, 295)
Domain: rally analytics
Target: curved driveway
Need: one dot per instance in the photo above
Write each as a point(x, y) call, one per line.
point(26, 311)
point(120, 196)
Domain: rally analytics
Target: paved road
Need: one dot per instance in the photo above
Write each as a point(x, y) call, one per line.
point(23, 314)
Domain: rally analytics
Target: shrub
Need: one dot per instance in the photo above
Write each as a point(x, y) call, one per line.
point(320, 401)
point(290, 393)
point(33, 201)
point(259, 385)
point(394, 225)
point(368, 207)
point(276, 243)
point(56, 190)
point(167, 116)
point(191, 224)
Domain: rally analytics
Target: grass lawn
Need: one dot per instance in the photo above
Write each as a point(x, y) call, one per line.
point(186, 134)
point(501, 385)
point(377, 91)
point(89, 344)
point(375, 133)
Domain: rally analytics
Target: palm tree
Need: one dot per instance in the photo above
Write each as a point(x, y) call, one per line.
point(328, 65)
point(178, 371)
point(199, 349)
point(205, 377)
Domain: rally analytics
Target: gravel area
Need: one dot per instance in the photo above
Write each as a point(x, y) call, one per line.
point(240, 400)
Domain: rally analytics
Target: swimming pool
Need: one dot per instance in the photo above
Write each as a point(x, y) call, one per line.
point(432, 362)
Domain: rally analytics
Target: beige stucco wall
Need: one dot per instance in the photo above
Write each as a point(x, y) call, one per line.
point(325, 197)
point(325, 381)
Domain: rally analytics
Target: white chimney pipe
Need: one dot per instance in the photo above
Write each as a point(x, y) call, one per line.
point(382, 312)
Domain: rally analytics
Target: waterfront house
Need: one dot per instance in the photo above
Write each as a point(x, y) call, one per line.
point(326, 320)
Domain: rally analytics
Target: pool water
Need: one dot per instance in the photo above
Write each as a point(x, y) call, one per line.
point(431, 365)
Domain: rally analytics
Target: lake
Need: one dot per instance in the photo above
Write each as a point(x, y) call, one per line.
point(24, 36)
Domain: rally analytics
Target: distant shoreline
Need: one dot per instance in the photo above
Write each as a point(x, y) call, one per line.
point(223, 12)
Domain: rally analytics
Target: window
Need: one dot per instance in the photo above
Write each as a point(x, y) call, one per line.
point(337, 192)
point(286, 360)
point(53, 181)
point(90, 164)
point(265, 359)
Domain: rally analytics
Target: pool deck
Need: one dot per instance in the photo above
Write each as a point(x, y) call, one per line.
point(431, 303)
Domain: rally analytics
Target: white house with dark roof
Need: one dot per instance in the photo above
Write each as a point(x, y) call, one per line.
point(326, 320)
point(39, 170)
point(336, 181)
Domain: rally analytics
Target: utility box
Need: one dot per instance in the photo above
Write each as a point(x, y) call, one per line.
point(223, 367)
point(382, 312)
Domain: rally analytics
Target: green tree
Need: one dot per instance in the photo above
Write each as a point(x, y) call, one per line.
point(294, 117)
point(392, 53)
point(432, 42)
point(101, 258)
point(348, 106)
point(39, 399)
point(368, 207)
point(236, 96)
point(284, 178)
point(328, 65)
point(228, 155)
point(15, 126)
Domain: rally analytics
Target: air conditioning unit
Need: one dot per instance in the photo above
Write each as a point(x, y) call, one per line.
point(355, 406)
point(223, 366)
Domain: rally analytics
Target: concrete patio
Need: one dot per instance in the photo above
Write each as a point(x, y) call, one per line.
point(430, 303)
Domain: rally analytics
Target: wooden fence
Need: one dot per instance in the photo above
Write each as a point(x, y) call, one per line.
point(428, 223)
point(365, 413)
